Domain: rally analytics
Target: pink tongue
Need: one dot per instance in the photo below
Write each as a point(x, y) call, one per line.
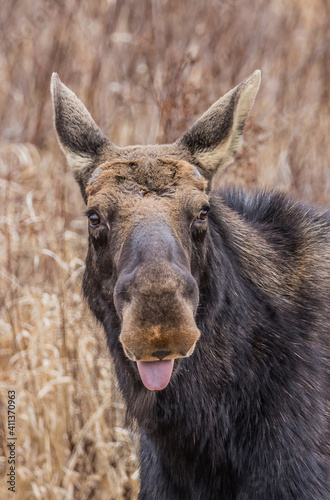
point(155, 374)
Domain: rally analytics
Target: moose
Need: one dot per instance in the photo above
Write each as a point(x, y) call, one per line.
point(215, 306)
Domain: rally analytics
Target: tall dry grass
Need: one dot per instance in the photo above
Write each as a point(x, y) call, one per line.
point(145, 70)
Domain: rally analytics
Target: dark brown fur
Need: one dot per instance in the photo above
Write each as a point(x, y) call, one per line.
point(240, 301)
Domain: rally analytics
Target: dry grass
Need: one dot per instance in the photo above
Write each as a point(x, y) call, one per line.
point(145, 70)
point(71, 440)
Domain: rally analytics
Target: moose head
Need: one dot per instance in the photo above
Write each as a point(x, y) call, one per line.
point(148, 209)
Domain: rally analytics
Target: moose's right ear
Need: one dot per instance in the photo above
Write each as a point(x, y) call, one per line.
point(218, 134)
point(79, 137)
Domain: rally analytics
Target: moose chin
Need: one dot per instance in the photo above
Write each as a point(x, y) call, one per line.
point(215, 306)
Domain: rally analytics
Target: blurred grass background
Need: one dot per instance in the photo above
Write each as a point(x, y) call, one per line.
point(145, 70)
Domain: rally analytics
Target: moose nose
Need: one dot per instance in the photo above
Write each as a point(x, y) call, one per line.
point(161, 354)
point(154, 287)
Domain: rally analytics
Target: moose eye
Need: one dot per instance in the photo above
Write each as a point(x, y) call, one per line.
point(94, 219)
point(202, 216)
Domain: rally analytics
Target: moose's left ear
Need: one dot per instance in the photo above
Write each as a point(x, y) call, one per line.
point(218, 134)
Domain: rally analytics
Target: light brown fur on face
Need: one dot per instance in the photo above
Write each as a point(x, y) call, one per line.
point(143, 193)
point(159, 176)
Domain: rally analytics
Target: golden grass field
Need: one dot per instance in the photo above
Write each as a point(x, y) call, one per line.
point(145, 70)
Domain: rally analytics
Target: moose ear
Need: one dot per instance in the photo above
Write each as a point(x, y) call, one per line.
point(81, 140)
point(218, 134)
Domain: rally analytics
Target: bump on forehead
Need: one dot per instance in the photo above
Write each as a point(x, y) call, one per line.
point(108, 173)
point(183, 169)
point(156, 175)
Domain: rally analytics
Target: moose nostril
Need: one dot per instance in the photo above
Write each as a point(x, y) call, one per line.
point(161, 354)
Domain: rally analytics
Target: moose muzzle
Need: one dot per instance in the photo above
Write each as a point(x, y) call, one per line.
point(156, 298)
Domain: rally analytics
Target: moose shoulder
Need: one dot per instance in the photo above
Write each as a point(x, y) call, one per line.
point(215, 306)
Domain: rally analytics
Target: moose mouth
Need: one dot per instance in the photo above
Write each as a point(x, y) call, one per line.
point(155, 375)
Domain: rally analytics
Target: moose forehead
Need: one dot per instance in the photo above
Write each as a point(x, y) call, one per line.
point(144, 176)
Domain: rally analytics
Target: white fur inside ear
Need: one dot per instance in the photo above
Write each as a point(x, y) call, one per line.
point(246, 99)
point(220, 156)
point(77, 162)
